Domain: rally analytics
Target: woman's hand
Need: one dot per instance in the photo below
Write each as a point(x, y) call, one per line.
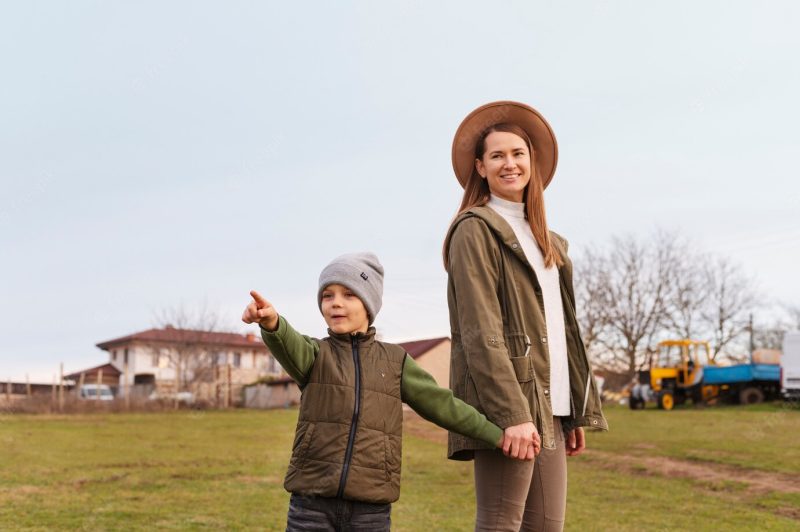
point(575, 442)
point(521, 441)
point(262, 312)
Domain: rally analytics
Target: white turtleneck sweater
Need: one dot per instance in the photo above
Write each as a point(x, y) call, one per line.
point(514, 214)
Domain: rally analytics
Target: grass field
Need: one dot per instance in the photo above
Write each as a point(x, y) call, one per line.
point(714, 469)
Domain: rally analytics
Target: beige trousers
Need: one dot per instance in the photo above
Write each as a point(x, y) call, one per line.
point(513, 495)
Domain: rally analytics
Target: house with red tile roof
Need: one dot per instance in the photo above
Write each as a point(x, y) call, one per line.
point(208, 364)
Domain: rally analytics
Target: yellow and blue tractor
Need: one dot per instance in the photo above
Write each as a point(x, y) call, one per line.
point(680, 370)
point(674, 374)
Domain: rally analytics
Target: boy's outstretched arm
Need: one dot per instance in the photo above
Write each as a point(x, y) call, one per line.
point(439, 406)
point(295, 352)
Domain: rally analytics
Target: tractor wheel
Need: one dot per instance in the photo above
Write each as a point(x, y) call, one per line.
point(666, 401)
point(751, 396)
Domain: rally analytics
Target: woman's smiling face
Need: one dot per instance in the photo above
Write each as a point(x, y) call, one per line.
point(506, 165)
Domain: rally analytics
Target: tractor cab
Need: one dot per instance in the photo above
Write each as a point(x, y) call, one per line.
point(681, 360)
point(674, 374)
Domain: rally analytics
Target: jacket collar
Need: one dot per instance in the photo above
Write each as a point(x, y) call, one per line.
point(500, 227)
point(498, 224)
point(364, 339)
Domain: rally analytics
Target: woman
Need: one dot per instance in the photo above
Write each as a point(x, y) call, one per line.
point(517, 353)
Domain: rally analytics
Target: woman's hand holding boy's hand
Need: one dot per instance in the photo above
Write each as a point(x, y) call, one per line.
point(262, 312)
point(521, 441)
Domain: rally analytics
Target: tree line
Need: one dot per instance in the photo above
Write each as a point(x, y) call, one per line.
point(635, 291)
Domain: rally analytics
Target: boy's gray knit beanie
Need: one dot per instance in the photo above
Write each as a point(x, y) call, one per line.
point(360, 272)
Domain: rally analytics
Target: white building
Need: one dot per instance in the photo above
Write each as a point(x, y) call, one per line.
point(149, 360)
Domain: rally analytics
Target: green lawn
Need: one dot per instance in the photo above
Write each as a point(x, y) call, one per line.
point(213, 470)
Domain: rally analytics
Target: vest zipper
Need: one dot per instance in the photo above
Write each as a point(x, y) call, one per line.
point(348, 455)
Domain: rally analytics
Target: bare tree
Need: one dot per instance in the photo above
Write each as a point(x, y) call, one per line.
point(188, 352)
point(625, 294)
point(769, 334)
point(591, 297)
point(730, 299)
point(792, 316)
point(688, 294)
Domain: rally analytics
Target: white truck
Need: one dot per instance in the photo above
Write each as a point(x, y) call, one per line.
point(790, 366)
point(96, 392)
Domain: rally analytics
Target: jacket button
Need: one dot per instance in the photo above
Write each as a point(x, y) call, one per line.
point(544, 339)
point(546, 392)
point(514, 245)
point(594, 422)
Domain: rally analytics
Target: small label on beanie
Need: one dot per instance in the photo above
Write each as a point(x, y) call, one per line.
point(364, 276)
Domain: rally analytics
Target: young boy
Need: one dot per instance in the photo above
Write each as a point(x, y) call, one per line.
point(345, 464)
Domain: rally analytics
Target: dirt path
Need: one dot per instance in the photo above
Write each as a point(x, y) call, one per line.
point(712, 474)
point(751, 480)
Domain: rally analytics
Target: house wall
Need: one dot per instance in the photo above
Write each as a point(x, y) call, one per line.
point(141, 360)
point(272, 395)
point(437, 363)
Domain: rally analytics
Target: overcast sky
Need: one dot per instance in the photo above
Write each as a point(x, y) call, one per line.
point(158, 154)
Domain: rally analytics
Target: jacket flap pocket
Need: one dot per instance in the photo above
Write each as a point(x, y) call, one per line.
point(306, 442)
point(523, 368)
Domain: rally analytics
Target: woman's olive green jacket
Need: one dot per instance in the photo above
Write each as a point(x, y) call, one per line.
point(499, 362)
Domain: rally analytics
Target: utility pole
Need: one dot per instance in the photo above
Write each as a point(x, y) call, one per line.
point(96, 397)
point(127, 388)
point(61, 388)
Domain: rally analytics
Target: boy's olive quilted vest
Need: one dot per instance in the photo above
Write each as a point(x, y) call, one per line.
point(348, 438)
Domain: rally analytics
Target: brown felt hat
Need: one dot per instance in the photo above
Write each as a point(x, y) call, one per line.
point(525, 116)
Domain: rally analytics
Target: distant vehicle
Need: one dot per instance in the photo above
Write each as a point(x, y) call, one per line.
point(96, 392)
point(186, 398)
point(790, 366)
point(682, 370)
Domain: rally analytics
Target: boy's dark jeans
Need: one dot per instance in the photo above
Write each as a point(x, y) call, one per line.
point(318, 514)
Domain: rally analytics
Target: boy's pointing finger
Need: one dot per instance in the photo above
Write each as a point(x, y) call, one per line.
point(260, 301)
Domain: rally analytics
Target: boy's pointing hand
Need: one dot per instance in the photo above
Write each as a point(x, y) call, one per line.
point(261, 311)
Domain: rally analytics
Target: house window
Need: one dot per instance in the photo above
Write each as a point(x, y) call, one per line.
point(222, 359)
point(237, 360)
point(114, 355)
point(155, 360)
point(125, 360)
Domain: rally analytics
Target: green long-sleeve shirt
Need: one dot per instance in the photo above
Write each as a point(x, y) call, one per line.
point(297, 352)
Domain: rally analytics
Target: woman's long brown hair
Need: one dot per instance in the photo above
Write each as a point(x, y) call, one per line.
point(476, 193)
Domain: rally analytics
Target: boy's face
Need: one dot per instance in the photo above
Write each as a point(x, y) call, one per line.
point(343, 310)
